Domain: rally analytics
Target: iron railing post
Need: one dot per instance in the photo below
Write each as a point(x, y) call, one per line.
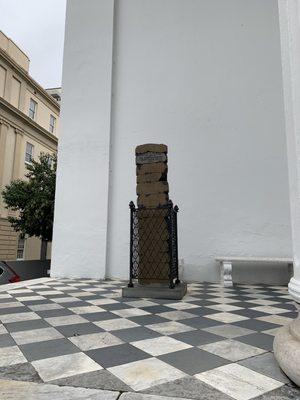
point(176, 209)
point(132, 210)
point(170, 241)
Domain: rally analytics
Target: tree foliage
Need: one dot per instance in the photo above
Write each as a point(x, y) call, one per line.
point(33, 199)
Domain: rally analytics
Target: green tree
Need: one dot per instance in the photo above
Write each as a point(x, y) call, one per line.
point(33, 200)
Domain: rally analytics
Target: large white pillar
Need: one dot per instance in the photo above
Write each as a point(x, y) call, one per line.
point(80, 223)
point(287, 340)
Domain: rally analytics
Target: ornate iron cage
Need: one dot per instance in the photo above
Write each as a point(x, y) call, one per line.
point(154, 245)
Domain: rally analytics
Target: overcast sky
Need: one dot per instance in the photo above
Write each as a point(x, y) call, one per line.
point(37, 26)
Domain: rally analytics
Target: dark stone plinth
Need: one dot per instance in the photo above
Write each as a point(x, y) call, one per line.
point(156, 291)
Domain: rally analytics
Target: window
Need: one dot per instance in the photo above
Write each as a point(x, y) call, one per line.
point(2, 80)
point(15, 92)
point(29, 152)
point(32, 109)
point(52, 123)
point(21, 248)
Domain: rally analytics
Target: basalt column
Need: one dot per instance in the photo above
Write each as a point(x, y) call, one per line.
point(153, 196)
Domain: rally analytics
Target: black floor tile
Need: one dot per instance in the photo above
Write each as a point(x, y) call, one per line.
point(193, 361)
point(116, 355)
point(49, 348)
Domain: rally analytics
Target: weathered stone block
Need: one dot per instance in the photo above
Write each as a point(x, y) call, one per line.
point(148, 178)
point(152, 188)
point(153, 147)
point(152, 200)
point(150, 157)
point(150, 168)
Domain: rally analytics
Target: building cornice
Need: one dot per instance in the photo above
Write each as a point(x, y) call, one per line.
point(29, 79)
point(9, 107)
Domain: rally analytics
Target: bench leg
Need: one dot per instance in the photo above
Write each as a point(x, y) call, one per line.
point(226, 273)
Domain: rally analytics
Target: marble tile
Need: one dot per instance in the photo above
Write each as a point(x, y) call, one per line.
point(100, 302)
point(11, 304)
point(282, 393)
point(18, 291)
point(232, 350)
point(101, 379)
point(224, 300)
point(188, 388)
point(182, 305)
point(95, 341)
point(189, 298)
point(140, 303)
point(64, 366)
point(170, 328)
point(86, 309)
point(258, 339)
point(81, 294)
point(226, 317)
point(160, 345)
point(275, 319)
point(193, 360)
point(11, 355)
point(62, 300)
point(130, 312)
point(50, 292)
point(142, 374)
point(20, 372)
point(18, 317)
point(116, 324)
point(112, 295)
point(271, 332)
point(142, 396)
point(266, 364)
point(264, 302)
point(45, 307)
point(225, 307)
point(269, 309)
point(3, 330)
point(176, 315)
point(253, 295)
point(239, 382)
point(5, 296)
point(66, 320)
point(30, 298)
point(228, 331)
point(36, 335)
point(18, 390)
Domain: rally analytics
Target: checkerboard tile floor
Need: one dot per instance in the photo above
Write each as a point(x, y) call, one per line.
point(216, 343)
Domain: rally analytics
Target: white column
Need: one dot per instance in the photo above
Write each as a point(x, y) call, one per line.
point(80, 223)
point(287, 340)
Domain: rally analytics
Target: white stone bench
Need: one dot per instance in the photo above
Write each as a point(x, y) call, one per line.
point(227, 262)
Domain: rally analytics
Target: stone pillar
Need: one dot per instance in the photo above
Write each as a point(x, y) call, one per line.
point(153, 192)
point(3, 135)
point(80, 240)
point(18, 156)
point(287, 340)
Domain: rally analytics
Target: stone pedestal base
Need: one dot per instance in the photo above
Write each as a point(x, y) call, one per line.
point(287, 350)
point(156, 291)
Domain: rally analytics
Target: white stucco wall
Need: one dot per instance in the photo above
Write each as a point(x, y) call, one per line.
point(80, 225)
point(203, 77)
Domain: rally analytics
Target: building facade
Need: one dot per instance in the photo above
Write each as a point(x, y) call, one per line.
point(29, 125)
point(219, 82)
point(203, 77)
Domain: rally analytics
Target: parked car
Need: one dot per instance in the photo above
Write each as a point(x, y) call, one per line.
point(7, 274)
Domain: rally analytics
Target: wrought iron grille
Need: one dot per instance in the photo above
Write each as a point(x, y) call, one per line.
point(154, 245)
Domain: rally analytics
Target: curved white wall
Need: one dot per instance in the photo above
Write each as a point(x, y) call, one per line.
point(204, 77)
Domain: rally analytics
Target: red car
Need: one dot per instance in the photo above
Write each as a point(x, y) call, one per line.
point(7, 274)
